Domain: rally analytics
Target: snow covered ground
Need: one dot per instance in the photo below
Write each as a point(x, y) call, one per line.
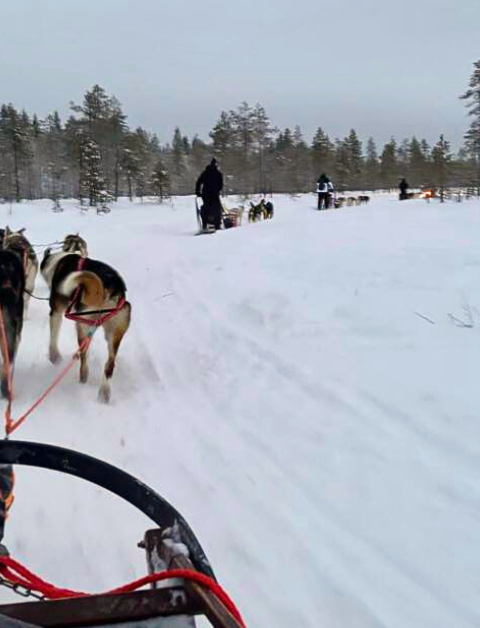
point(282, 388)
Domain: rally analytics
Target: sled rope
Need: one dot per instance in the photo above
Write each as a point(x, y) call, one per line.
point(56, 243)
point(16, 573)
point(12, 424)
point(34, 296)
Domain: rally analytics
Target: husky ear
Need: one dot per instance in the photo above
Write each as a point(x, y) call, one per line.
point(8, 231)
point(21, 230)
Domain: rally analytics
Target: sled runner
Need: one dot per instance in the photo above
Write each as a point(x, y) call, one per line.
point(199, 216)
point(173, 554)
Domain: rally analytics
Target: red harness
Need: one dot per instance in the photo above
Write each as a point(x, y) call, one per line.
point(80, 317)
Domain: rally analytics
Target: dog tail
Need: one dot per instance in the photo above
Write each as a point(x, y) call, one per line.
point(92, 289)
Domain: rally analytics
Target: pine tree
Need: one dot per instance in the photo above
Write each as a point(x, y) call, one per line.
point(301, 163)
point(353, 147)
point(341, 165)
point(130, 161)
point(262, 134)
point(36, 127)
point(14, 141)
point(417, 164)
point(388, 165)
point(92, 180)
point(114, 142)
point(403, 160)
point(244, 134)
point(441, 159)
point(161, 181)
point(54, 149)
point(222, 136)
point(322, 153)
point(283, 156)
point(284, 140)
point(178, 153)
point(371, 165)
point(178, 163)
point(94, 109)
point(103, 122)
point(472, 136)
point(199, 154)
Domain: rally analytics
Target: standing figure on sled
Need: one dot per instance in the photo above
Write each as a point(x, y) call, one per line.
point(208, 187)
point(324, 191)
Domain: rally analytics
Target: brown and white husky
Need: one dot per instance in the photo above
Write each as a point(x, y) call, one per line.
point(85, 285)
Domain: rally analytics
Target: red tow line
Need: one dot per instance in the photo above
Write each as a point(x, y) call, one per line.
point(18, 574)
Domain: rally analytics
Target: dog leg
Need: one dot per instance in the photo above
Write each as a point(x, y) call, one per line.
point(82, 333)
point(12, 336)
point(55, 324)
point(4, 378)
point(113, 340)
point(114, 331)
point(25, 305)
point(29, 287)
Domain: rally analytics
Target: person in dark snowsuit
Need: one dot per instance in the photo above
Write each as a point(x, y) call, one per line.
point(403, 187)
point(208, 187)
point(324, 190)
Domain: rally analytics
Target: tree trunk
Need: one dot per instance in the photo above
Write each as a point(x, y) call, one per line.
point(17, 180)
point(117, 177)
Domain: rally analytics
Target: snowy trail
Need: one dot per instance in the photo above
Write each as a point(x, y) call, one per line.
point(278, 387)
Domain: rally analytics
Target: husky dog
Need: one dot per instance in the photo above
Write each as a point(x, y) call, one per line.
point(85, 284)
point(72, 243)
point(17, 243)
point(268, 209)
point(12, 288)
point(75, 244)
point(363, 199)
point(256, 212)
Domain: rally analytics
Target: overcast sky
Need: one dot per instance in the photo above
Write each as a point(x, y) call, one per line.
point(379, 66)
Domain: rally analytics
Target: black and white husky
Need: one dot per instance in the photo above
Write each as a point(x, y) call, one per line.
point(12, 288)
point(85, 284)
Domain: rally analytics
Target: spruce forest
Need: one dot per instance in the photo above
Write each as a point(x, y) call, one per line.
point(95, 157)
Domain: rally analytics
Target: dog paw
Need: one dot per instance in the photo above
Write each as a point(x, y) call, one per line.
point(104, 394)
point(54, 356)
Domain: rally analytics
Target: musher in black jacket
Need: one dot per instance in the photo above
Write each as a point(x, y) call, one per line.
point(403, 187)
point(209, 185)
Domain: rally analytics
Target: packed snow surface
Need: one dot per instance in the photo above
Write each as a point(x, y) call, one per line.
point(304, 390)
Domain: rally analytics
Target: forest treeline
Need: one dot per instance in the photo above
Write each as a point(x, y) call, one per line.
point(95, 156)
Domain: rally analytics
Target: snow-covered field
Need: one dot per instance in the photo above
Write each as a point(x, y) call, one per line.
point(282, 388)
